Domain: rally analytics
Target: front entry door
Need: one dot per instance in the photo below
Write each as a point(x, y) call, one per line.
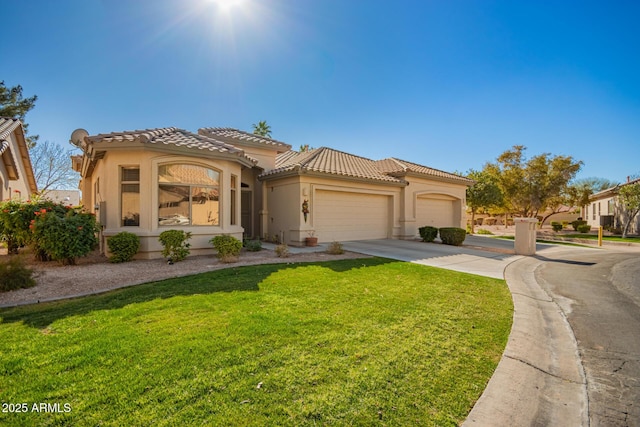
point(246, 219)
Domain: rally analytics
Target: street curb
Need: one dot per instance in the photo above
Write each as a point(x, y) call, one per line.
point(539, 379)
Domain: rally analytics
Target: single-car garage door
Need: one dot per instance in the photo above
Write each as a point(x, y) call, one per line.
point(436, 211)
point(344, 216)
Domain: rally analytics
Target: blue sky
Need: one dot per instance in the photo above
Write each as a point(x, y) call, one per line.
point(448, 84)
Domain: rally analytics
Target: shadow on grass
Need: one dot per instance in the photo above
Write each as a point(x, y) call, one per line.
point(236, 279)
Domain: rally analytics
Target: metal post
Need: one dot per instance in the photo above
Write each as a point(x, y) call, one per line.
point(600, 236)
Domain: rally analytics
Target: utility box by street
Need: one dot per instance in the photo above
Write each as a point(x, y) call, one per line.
point(525, 242)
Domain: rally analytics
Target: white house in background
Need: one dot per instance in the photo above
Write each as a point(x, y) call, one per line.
point(17, 180)
point(225, 181)
point(605, 209)
point(66, 197)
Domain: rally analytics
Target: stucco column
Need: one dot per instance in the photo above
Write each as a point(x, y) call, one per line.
point(525, 241)
point(264, 212)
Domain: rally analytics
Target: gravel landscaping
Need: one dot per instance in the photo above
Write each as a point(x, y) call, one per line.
point(95, 274)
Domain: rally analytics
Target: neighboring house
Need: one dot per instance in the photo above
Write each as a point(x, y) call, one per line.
point(66, 197)
point(225, 181)
point(17, 180)
point(604, 209)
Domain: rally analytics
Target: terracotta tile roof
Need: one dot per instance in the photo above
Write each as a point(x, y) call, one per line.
point(395, 166)
point(330, 161)
point(170, 136)
point(9, 158)
point(241, 136)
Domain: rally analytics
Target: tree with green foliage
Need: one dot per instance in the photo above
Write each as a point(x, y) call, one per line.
point(530, 185)
point(484, 194)
point(629, 198)
point(262, 129)
point(13, 105)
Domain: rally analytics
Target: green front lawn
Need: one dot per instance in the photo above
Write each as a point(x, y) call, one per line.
point(353, 342)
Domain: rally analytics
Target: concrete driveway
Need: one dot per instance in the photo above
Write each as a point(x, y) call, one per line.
point(480, 255)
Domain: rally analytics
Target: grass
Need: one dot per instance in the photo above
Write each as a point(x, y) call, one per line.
point(352, 342)
point(609, 238)
point(551, 242)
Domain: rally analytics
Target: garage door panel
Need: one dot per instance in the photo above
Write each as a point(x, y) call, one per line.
point(436, 212)
point(350, 216)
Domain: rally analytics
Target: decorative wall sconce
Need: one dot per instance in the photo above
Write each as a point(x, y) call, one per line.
point(305, 209)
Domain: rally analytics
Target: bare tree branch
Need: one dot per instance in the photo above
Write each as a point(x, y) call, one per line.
point(52, 167)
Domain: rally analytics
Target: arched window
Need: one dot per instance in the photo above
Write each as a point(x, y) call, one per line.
point(188, 195)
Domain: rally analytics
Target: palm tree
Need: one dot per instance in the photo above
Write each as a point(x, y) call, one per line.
point(262, 129)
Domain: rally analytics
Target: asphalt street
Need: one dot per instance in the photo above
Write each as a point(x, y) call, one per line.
point(599, 292)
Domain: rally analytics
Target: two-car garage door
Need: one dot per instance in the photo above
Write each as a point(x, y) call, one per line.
point(344, 216)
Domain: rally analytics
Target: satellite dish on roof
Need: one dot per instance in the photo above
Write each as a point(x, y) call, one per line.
point(77, 137)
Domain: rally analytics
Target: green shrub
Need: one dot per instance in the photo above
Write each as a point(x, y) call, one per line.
point(228, 247)
point(565, 224)
point(175, 244)
point(14, 275)
point(64, 237)
point(584, 228)
point(556, 226)
point(483, 231)
point(452, 235)
point(428, 233)
point(16, 220)
point(282, 251)
point(123, 246)
point(253, 245)
point(335, 248)
point(577, 223)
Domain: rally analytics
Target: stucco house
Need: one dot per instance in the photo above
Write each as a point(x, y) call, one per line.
point(17, 180)
point(226, 181)
point(605, 209)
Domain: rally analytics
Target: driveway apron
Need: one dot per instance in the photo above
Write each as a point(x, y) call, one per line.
point(482, 256)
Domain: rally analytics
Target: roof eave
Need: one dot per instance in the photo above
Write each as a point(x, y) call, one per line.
point(462, 180)
point(304, 172)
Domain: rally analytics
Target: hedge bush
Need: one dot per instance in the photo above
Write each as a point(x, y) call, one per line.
point(228, 247)
point(452, 235)
point(556, 226)
point(16, 219)
point(64, 238)
point(584, 228)
point(253, 245)
point(123, 246)
point(577, 223)
point(175, 245)
point(14, 275)
point(428, 233)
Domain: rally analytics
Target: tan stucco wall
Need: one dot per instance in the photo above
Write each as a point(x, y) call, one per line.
point(266, 157)
point(421, 187)
point(592, 214)
point(107, 171)
point(285, 198)
point(8, 187)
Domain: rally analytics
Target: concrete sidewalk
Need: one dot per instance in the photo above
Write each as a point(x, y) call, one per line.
point(540, 380)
